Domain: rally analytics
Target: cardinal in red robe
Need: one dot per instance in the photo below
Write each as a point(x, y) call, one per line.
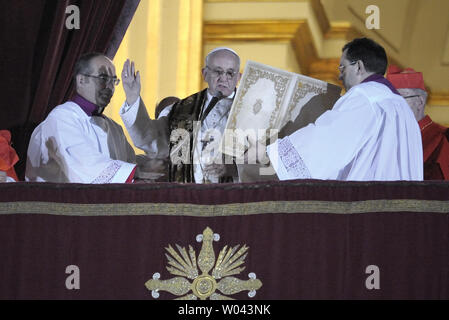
point(8, 156)
point(435, 137)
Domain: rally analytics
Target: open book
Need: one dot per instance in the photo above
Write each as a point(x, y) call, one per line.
point(271, 103)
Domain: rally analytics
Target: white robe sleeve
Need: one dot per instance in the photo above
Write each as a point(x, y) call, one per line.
point(324, 149)
point(165, 112)
point(63, 149)
point(152, 136)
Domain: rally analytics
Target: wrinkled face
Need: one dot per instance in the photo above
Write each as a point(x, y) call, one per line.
point(222, 72)
point(348, 72)
point(416, 101)
point(97, 86)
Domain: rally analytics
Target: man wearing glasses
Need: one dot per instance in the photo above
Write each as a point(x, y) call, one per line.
point(410, 85)
point(370, 133)
point(188, 131)
point(76, 143)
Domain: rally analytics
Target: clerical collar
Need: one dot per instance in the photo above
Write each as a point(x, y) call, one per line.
point(380, 79)
point(231, 96)
point(88, 107)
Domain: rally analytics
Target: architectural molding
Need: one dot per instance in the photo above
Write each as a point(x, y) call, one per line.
point(377, 33)
point(190, 37)
point(438, 99)
point(320, 15)
point(298, 34)
point(342, 30)
point(251, 30)
point(295, 32)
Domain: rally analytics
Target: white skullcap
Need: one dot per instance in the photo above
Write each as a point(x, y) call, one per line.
point(220, 49)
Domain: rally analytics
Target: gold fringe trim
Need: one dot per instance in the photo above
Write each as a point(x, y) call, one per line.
point(233, 209)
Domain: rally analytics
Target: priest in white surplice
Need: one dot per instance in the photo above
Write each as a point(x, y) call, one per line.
point(370, 133)
point(76, 143)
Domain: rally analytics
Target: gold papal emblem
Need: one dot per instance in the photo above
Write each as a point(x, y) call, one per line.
point(191, 285)
point(257, 106)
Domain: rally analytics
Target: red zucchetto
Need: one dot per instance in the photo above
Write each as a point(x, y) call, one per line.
point(405, 79)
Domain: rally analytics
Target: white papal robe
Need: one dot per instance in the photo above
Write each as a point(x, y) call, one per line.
point(70, 146)
point(370, 134)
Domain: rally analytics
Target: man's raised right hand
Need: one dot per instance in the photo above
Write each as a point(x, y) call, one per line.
point(131, 82)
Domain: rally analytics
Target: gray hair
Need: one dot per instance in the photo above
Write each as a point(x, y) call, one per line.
point(82, 66)
point(420, 92)
point(212, 52)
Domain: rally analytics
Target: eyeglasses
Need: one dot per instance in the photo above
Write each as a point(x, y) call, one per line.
point(105, 80)
point(407, 97)
point(218, 73)
point(341, 67)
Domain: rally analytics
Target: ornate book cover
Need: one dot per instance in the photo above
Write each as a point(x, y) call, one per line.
point(274, 101)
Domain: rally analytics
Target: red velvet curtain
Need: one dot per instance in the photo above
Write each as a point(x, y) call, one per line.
point(39, 53)
point(306, 239)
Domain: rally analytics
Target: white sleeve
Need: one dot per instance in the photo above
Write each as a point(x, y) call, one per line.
point(151, 136)
point(64, 151)
point(286, 160)
point(165, 111)
point(326, 147)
